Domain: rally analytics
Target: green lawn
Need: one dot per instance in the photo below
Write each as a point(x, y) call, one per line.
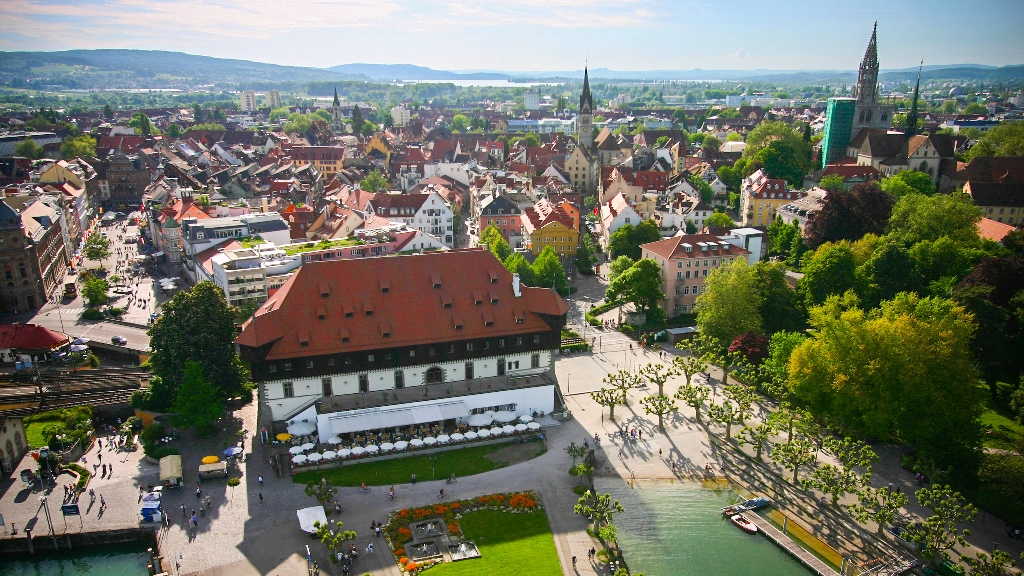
point(506, 541)
point(998, 417)
point(34, 428)
point(463, 462)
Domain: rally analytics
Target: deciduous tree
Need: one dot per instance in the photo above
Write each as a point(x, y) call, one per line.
point(198, 323)
point(610, 398)
point(641, 285)
point(881, 506)
point(795, 454)
point(658, 374)
point(694, 397)
point(374, 182)
point(756, 436)
point(848, 215)
point(659, 404)
point(908, 182)
point(600, 508)
point(829, 271)
point(730, 304)
point(95, 291)
point(940, 532)
point(197, 403)
point(917, 217)
point(97, 248)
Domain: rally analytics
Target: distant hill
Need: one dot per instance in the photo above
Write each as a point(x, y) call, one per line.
point(156, 63)
point(391, 72)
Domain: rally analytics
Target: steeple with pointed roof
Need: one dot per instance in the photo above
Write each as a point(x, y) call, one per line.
point(912, 115)
point(866, 90)
point(337, 121)
point(585, 130)
point(586, 100)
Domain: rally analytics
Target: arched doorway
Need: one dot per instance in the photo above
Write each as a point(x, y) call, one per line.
point(434, 375)
point(18, 443)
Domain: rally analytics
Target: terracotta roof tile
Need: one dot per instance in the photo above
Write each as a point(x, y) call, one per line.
point(413, 308)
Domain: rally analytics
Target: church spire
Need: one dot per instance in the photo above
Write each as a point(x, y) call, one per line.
point(336, 101)
point(866, 90)
point(912, 115)
point(586, 100)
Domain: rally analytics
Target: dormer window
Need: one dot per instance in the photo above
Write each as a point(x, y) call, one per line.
point(385, 330)
point(325, 290)
point(493, 276)
point(446, 301)
point(368, 307)
point(435, 281)
point(385, 286)
point(321, 313)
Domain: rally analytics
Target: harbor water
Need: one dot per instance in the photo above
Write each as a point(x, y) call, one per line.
point(113, 560)
point(677, 529)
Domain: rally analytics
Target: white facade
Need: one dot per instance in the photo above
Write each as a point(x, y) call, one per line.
point(458, 172)
point(400, 116)
point(272, 99)
point(531, 99)
point(750, 239)
point(305, 391)
point(248, 101)
point(248, 274)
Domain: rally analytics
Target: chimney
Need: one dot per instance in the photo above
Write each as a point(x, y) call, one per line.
point(515, 286)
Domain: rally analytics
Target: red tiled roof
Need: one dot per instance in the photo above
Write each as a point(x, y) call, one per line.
point(30, 337)
point(673, 249)
point(995, 231)
point(412, 305)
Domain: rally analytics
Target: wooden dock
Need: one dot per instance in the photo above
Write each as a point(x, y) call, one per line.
point(806, 558)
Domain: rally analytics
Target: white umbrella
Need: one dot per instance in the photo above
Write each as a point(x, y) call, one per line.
point(344, 453)
point(416, 442)
point(520, 427)
point(79, 348)
point(295, 450)
point(505, 417)
point(298, 459)
point(357, 451)
point(334, 440)
point(387, 446)
point(401, 445)
point(495, 431)
point(489, 412)
point(533, 426)
point(314, 457)
point(482, 433)
point(471, 435)
point(80, 340)
point(301, 429)
point(372, 448)
point(508, 429)
point(458, 437)
point(430, 440)
point(526, 418)
point(330, 455)
point(307, 446)
point(443, 439)
point(479, 420)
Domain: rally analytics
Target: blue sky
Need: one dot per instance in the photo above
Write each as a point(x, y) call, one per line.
point(533, 34)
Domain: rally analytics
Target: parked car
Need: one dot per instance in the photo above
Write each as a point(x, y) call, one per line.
point(119, 340)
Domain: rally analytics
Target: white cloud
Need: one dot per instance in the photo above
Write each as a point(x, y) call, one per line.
point(738, 54)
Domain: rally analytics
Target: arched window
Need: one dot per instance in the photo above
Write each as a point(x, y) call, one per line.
point(10, 453)
point(923, 168)
point(17, 443)
point(434, 375)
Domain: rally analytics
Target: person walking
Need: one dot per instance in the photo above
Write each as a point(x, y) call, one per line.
point(573, 562)
point(184, 511)
point(370, 547)
point(261, 480)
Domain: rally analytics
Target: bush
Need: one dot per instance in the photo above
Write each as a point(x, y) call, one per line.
point(94, 361)
point(152, 433)
point(92, 314)
point(579, 490)
point(157, 452)
point(134, 422)
point(83, 475)
point(581, 347)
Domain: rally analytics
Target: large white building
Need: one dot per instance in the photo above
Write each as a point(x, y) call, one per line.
point(382, 343)
point(248, 101)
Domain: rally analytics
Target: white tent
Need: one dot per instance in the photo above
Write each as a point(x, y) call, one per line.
point(310, 516)
point(479, 420)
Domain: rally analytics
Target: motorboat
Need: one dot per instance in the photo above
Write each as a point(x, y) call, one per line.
point(743, 523)
point(752, 504)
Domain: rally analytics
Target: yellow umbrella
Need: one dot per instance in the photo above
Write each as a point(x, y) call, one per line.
point(211, 459)
point(284, 436)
